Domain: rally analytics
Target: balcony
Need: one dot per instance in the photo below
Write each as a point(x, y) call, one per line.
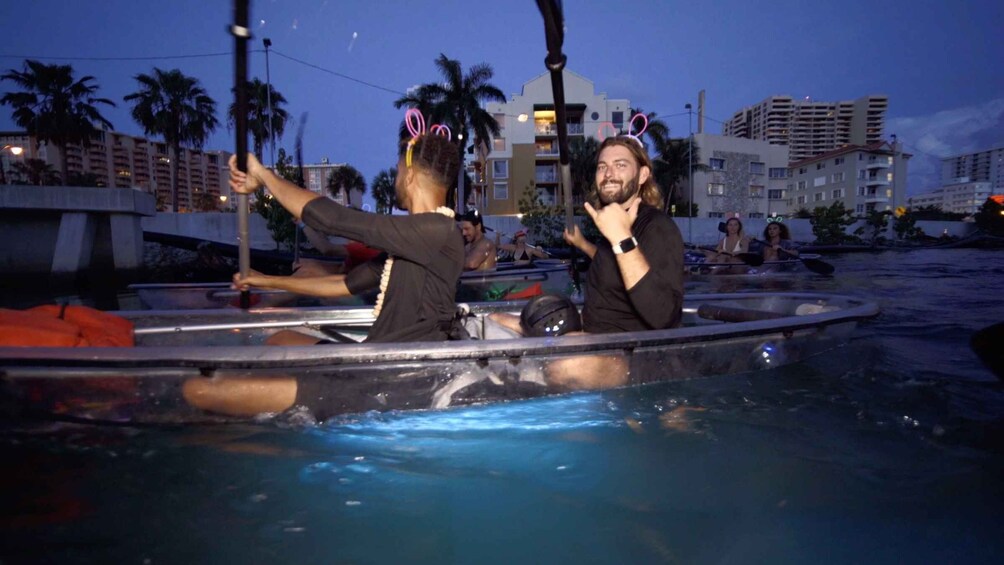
point(873, 165)
point(547, 152)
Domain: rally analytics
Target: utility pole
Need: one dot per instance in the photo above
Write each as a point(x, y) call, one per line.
point(268, 95)
point(690, 172)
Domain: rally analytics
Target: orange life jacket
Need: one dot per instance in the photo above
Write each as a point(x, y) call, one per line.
point(64, 326)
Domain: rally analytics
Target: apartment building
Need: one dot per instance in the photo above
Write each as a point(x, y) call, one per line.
point(744, 177)
point(526, 150)
point(123, 161)
point(809, 127)
point(963, 198)
point(864, 178)
point(316, 178)
point(983, 166)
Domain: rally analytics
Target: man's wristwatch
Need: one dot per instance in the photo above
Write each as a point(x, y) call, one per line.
point(625, 246)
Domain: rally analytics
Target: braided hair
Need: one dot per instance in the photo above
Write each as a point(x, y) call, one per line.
point(435, 156)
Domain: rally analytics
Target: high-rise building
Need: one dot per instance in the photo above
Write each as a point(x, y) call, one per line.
point(810, 127)
point(983, 166)
point(119, 160)
point(962, 198)
point(526, 150)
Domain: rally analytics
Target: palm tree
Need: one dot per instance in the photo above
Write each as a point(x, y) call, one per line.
point(672, 165)
point(54, 108)
point(346, 178)
point(457, 101)
point(258, 110)
point(383, 190)
point(36, 172)
point(176, 107)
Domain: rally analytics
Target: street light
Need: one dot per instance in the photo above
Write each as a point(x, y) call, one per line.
point(461, 207)
point(690, 172)
point(15, 151)
point(268, 95)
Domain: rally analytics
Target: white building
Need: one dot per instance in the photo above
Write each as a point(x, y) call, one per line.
point(982, 166)
point(527, 148)
point(864, 178)
point(745, 177)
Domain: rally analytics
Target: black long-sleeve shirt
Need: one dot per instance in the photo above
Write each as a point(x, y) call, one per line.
point(428, 252)
point(656, 301)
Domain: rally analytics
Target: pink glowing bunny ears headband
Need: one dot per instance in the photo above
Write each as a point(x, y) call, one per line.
point(415, 123)
point(600, 133)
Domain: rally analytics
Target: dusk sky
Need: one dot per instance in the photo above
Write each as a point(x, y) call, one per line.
point(940, 62)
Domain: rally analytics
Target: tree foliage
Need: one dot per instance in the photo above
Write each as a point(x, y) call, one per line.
point(54, 108)
point(383, 190)
point(278, 220)
point(458, 102)
point(546, 223)
point(346, 179)
point(990, 218)
point(829, 223)
point(258, 101)
point(35, 172)
point(873, 231)
point(905, 227)
point(177, 108)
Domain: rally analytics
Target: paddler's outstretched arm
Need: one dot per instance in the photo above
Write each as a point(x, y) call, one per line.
point(328, 286)
point(292, 197)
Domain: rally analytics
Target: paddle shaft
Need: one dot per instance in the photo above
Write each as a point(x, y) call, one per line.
point(241, 35)
point(554, 27)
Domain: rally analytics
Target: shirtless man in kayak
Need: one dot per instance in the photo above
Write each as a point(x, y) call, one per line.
point(417, 274)
point(479, 251)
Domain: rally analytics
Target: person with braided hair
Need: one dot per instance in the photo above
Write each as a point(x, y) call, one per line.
point(417, 273)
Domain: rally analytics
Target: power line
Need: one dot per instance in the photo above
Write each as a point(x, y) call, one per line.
point(157, 58)
point(337, 74)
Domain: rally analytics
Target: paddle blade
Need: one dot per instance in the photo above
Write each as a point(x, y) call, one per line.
point(988, 344)
point(818, 266)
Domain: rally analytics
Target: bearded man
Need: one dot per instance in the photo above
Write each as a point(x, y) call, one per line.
point(635, 281)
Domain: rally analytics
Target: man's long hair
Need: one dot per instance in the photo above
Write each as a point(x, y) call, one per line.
point(649, 191)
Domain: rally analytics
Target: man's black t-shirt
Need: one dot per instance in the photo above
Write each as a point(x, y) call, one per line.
point(428, 252)
point(656, 301)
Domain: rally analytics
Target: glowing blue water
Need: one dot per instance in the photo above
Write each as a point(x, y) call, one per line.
point(887, 451)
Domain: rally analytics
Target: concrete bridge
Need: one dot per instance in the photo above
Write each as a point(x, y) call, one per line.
point(66, 229)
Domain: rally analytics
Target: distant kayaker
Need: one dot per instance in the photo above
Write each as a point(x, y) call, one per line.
point(734, 243)
point(777, 244)
point(522, 253)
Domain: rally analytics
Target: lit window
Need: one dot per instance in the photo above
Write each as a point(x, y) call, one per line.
point(498, 144)
point(716, 189)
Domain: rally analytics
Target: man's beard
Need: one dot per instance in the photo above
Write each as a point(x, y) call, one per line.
point(626, 192)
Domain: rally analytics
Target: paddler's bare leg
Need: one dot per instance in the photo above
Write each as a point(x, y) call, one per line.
point(587, 372)
point(239, 396)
